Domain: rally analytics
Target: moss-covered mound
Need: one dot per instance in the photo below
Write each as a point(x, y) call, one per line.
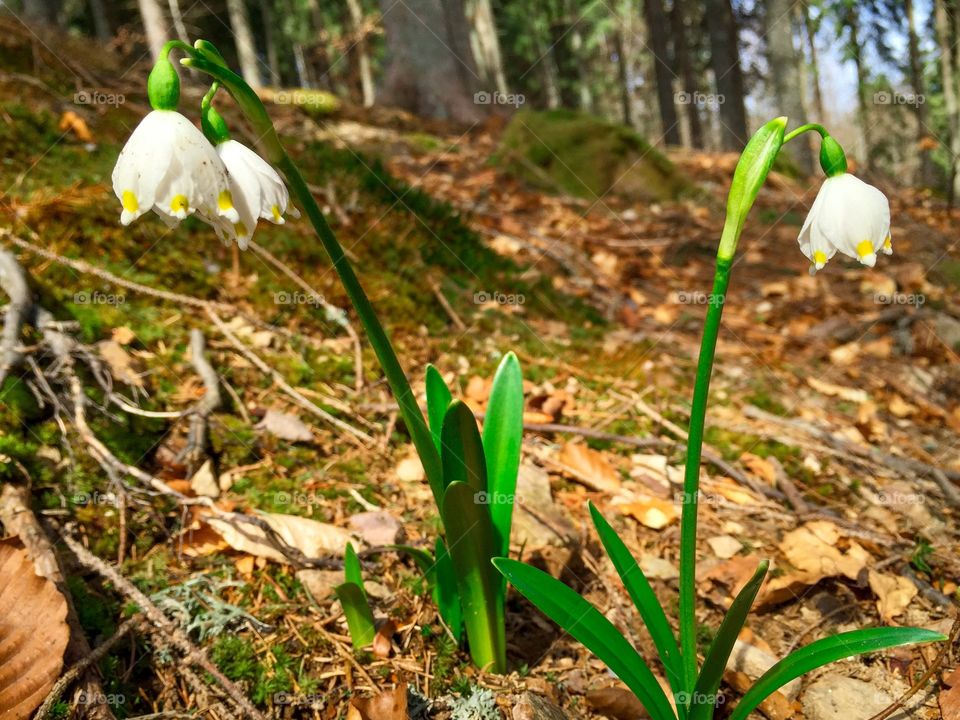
point(585, 156)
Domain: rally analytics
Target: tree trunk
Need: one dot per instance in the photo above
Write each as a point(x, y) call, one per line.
point(725, 62)
point(925, 170)
point(101, 24)
point(486, 45)
point(948, 71)
point(784, 64)
point(361, 51)
point(47, 12)
point(566, 62)
point(270, 42)
point(246, 49)
point(681, 52)
point(177, 18)
point(626, 99)
point(154, 25)
point(430, 69)
point(811, 34)
point(852, 22)
point(658, 32)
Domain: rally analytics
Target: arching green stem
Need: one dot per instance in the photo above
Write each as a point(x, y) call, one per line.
point(816, 127)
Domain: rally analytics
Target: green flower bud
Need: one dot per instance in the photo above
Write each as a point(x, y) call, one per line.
point(752, 170)
point(832, 159)
point(163, 85)
point(213, 124)
point(210, 52)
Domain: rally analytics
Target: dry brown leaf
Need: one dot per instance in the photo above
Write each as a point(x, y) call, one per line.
point(589, 467)
point(893, 594)
point(616, 703)
point(652, 512)
point(71, 122)
point(761, 467)
point(383, 640)
point(388, 705)
point(855, 395)
point(949, 699)
point(310, 537)
point(776, 707)
point(34, 630)
point(119, 362)
point(123, 335)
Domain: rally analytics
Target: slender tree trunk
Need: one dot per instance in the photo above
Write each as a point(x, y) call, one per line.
point(246, 49)
point(270, 42)
point(658, 33)
point(430, 69)
point(548, 67)
point(154, 25)
point(177, 17)
point(361, 51)
point(948, 71)
point(565, 59)
point(623, 75)
point(863, 113)
point(681, 52)
point(101, 24)
point(47, 12)
point(925, 171)
point(784, 64)
point(811, 34)
point(725, 62)
point(486, 45)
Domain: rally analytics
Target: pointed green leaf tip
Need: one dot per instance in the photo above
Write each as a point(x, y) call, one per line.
point(163, 85)
point(832, 158)
point(752, 170)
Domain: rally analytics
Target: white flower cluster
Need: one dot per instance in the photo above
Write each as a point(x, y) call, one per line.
point(168, 166)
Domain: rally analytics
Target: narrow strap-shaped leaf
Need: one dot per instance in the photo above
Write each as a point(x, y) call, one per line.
point(502, 437)
point(461, 450)
point(351, 567)
point(705, 691)
point(585, 623)
point(357, 611)
point(651, 612)
point(438, 400)
point(445, 593)
point(825, 651)
point(470, 544)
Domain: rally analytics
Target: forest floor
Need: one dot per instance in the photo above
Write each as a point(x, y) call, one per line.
point(833, 424)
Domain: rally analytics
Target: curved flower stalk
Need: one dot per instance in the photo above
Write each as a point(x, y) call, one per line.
point(167, 165)
point(848, 217)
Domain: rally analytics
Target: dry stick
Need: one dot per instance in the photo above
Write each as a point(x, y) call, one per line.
point(13, 280)
point(334, 313)
point(18, 519)
point(942, 477)
point(282, 383)
point(925, 678)
point(179, 639)
point(447, 307)
point(95, 656)
point(211, 400)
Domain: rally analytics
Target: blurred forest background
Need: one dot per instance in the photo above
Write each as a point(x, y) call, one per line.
point(882, 73)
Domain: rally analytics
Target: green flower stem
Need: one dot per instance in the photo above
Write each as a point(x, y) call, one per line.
point(816, 127)
point(205, 59)
point(691, 479)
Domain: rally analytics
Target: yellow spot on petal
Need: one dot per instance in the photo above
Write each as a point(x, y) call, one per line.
point(864, 248)
point(179, 203)
point(275, 209)
point(887, 244)
point(225, 200)
point(129, 201)
point(241, 229)
point(819, 257)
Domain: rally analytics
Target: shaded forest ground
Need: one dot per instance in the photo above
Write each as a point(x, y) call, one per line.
point(834, 398)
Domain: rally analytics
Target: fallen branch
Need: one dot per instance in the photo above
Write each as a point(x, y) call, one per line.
point(14, 283)
point(211, 400)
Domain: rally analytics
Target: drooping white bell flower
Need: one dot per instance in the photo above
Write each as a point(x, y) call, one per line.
point(168, 166)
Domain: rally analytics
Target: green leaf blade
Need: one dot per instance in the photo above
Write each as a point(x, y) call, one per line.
point(645, 600)
point(825, 651)
point(470, 545)
point(358, 614)
point(585, 623)
point(438, 400)
point(351, 567)
point(461, 451)
point(502, 439)
point(445, 593)
point(703, 702)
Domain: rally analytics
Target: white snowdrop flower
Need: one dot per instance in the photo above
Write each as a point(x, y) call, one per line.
point(168, 166)
point(848, 216)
